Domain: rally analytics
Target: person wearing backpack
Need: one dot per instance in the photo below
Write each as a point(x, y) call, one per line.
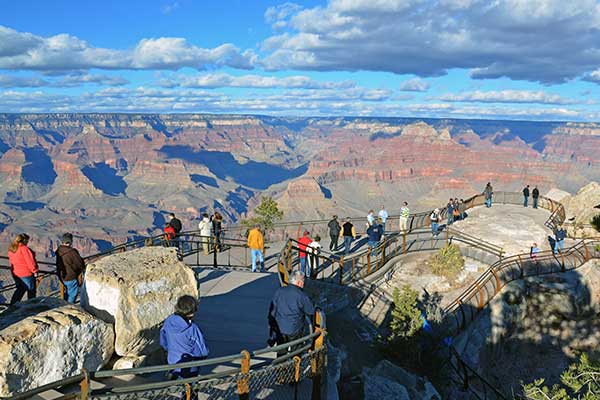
point(334, 233)
point(526, 196)
point(536, 195)
point(435, 219)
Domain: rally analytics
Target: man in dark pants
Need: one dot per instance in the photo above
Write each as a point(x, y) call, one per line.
point(289, 311)
point(334, 233)
point(526, 196)
point(175, 223)
point(69, 266)
point(535, 194)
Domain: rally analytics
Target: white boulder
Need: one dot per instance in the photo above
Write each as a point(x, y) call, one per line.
point(136, 290)
point(47, 339)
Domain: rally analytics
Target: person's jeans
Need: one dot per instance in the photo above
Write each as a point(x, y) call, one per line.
point(383, 226)
point(257, 255)
point(525, 201)
point(303, 265)
point(488, 202)
point(372, 245)
point(434, 228)
point(71, 290)
point(23, 285)
point(347, 243)
point(450, 218)
point(403, 223)
point(559, 245)
point(535, 202)
point(333, 245)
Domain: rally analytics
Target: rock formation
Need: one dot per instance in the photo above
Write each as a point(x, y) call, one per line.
point(581, 208)
point(46, 339)
point(387, 381)
point(136, 290)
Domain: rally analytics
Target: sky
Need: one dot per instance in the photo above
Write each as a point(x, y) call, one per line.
point(491, 59)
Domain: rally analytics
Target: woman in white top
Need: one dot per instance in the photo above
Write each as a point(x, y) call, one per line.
point(314, 249)
point(204, 227)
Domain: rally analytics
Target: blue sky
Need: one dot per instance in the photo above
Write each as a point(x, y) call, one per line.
point(506, 59)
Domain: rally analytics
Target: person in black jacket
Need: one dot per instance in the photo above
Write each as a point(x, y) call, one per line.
point(526, 196)
point(175, 223)
point(334, 233)
point(535, 194)
point(69, 267)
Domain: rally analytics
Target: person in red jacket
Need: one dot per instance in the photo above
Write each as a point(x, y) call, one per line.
point(170, 233)
point(23, 267)
point(303, 243)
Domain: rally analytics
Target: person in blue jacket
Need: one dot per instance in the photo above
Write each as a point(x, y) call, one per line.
point(182, 338)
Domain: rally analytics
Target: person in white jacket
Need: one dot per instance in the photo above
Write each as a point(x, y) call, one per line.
point(204, 227)
point(313, 250)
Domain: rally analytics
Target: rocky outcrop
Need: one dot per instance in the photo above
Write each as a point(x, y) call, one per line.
point(46, 339)
point(136, 290)
point(387, 381)
point(581, 208)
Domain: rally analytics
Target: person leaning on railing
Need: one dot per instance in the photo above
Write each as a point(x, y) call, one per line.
point(24, 268)
point(289, 311)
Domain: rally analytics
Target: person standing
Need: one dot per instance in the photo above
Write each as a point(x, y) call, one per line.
point(559, 242)
point(217, 229)
point(334, 233)
point(349, 234)
point(435, 219)
point(314, 249)
point(404, 214)
point(371, 217)
point(374, 233)
point(535, 194)
point(289, 310)
point(69, 267)
point(533, 252)
point(383, 215)
point(204, 228)
point(461, 209)
point(257, 248)
point(488, 192)
point(450, 211)
point(175, 223)
point(303, 243)
point(23, 267)
point(182, 338)
point(526, 196)
point(169, 234)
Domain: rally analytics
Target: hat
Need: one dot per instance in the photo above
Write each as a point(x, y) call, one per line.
point(67, 238)
point(306, 233)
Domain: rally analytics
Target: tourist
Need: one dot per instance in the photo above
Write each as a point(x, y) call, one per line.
point(455, 210)
point(334, 233)
point(435, 219)
point(559, 242)
point(204, 227)
point(217, 229)
point(533, 252)
point(175, 223)
point(535, 194)
point(462, 208)
point(169, 234)
point(23, 268)
point(314, 249)
point(383, 215)
point(69, 267)
point(488, 192)
point(371, 217)
point(182, 338)
point(450, 211)
point(303, 243)
point(349, 234)
point(374, 234)
point(289, 311)
point(257, 248)
point(404, 214)
point(526, 196)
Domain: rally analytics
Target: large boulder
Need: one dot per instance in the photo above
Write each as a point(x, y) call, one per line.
point(136, 290)
point(47, 339)
point(388, 381)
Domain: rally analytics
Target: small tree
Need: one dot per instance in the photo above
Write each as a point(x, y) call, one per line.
point(265, 214)
point(406, 317)
point(596, 222)
point(448, 262)
point(580, 381)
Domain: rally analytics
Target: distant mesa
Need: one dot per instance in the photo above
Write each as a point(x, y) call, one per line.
point(205, 180)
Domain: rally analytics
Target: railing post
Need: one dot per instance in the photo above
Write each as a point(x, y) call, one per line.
point(341, 268)
point(84, 385)
point(215, 263)
point(317, 361)
point(297, 361)
point(404, 242)
point(243, 383)
point(447, 235)
point(188, 391)
point(383, 251)
point(61, 288)
point(369, 262)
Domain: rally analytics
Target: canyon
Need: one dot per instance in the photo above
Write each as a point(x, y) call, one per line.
point(109, 178)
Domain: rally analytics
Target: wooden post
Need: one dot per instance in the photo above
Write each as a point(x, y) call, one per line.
point(341, 269)
point(369, 261)
point(404, 242)
point(84, 385)
point(188, 391)
point(317, 361)
point(243, 383)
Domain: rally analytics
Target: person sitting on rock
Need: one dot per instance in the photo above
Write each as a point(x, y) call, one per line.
point(69, 267)
point(182, 338)
point(24, 268)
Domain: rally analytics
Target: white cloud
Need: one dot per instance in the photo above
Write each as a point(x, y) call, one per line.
point(63, 52)
point(537, 40)
point(414, 85)
point(71, 80)
point(219, 80)
point(507, 96)
point(169, 8)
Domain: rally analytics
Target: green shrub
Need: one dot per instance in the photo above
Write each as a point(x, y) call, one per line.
point(579, 381)
point(448, 262)
point(596, 222)
point(265, 214)
point(406, 317)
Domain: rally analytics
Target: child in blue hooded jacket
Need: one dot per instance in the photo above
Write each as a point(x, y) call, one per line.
point(182, 338)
